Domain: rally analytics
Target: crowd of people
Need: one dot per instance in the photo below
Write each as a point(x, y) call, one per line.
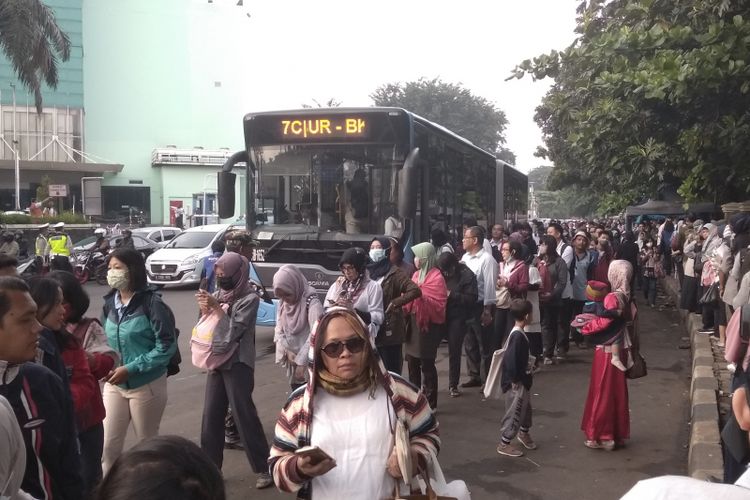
point(75, 383)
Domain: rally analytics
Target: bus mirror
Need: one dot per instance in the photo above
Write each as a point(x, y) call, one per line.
point(225, 186)
point(407, 186)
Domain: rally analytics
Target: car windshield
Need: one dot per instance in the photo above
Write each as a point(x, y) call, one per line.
point(86, 241)
point(192, 239)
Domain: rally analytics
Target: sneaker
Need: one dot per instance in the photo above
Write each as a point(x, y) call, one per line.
point(608, 445)
point(453, 392)
point(471, 383)
point(264, 480)
point(594, 445)
point(561, 356)
point(706, 331)
point(548, 361)
point(509, 450)
point(525, 439)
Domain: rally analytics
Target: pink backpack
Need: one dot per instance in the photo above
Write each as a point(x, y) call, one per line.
point(200, 342)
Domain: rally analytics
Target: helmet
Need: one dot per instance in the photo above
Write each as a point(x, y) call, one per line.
point(100, 231)
point(127, 232)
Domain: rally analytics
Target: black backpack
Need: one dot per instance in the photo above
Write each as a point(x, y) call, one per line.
point(173, 367)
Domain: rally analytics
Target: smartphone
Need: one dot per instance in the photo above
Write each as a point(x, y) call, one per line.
point(316, 454)
point(204, 284)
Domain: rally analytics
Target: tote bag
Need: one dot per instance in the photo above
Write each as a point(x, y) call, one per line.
point(493, 386)
point(200, 342)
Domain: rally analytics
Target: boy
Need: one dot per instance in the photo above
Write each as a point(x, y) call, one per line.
point(516, 383)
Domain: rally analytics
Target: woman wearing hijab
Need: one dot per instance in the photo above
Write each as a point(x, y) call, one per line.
point(606, 417)
point(427, 328)
point(231, 384)
point(298, 310)
point(712, 314)
point(398, 290)
point(354, 289)
point(349, 409)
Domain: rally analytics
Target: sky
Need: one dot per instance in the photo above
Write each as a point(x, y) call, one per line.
point(318, 50)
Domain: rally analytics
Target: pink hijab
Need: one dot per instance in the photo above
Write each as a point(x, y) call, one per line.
point(292, 318)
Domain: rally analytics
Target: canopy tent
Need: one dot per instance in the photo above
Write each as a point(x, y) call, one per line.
point(665, 208)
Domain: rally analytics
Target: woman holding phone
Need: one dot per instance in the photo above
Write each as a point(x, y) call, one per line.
point(349, 411)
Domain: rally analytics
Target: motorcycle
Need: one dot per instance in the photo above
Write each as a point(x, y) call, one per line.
point(90, 264)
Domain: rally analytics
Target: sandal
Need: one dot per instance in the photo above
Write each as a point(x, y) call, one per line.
point(594, 445)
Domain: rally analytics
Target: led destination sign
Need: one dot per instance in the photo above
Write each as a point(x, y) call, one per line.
point(324, 127)
point(327, 127)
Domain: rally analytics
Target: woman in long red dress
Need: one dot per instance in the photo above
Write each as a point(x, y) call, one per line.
point(606, 418)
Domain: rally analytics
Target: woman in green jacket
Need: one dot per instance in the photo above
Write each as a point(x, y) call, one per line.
point(140, 327)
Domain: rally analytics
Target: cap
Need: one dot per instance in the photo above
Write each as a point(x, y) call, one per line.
point(100, 230)
point(43, 226)
point(59, 225)
point(241, 236)
point(581, 233)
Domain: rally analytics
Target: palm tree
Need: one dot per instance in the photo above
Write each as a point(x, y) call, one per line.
point(33, 42)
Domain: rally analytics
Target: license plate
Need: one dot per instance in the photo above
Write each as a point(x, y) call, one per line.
point(163, 277)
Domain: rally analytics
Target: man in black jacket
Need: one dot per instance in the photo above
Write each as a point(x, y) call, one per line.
point(43, 409)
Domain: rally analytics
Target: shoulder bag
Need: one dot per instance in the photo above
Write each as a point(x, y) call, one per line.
point(710, 295)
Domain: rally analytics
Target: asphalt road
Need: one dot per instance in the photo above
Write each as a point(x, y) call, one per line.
point(561, 468)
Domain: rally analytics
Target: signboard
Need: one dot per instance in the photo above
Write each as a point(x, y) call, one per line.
point(91, 189)
point(60, 190)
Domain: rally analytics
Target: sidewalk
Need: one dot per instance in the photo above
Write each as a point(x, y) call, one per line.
point(709, 395)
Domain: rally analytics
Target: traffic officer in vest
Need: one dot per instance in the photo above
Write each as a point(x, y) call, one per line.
point(60, 247)
point(41, 249)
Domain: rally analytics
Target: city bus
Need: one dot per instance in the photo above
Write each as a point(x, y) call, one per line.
point(319, 181)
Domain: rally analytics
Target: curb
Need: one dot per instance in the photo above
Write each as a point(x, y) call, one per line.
point(705, 459)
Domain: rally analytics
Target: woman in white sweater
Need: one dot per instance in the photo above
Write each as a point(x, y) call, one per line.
point(354, 289)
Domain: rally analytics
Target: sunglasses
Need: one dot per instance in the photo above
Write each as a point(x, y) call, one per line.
point(334, 349)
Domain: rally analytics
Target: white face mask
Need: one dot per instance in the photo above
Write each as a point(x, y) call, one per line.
point(377, 254)
point(118, 278)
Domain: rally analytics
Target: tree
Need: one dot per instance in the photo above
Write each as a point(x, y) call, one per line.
point(452, 106)
point(330, 103)
point(652, 92)
point(33, 42)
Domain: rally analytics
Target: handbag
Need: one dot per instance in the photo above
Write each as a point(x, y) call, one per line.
point(638, 369)
point(710, 295)
point(200, 342)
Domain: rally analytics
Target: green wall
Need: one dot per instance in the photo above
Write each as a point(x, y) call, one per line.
point(69, 90)
point(152, 68)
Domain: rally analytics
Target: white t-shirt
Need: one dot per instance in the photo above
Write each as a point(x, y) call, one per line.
point(356, 432)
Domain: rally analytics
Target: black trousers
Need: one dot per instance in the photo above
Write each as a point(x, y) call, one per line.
point(473, 342)
point(92, 446)
point(233, 389)
point(423, 373)
point(392, 356)
point(552, 335)
point(456, 330)
point(60, 263)
point(566, 316)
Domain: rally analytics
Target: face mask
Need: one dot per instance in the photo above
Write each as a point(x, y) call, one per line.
point(225, 282)
point(377, 254)
point(118, 278)
point(417, 262)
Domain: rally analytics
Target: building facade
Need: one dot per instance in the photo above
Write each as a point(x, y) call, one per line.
point(144, 79)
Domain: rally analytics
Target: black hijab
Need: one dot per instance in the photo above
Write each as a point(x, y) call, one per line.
point(379, 269)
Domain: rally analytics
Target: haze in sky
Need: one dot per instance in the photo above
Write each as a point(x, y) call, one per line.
point(318, 50)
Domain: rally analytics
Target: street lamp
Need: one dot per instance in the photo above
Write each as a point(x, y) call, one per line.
point(15, 152)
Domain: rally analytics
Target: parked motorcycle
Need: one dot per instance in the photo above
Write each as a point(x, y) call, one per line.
point(90, 264)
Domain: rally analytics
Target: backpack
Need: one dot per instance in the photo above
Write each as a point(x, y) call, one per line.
point(173, 367)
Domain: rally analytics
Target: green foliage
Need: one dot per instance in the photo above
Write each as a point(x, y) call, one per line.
point(33, 42)
point(538, 176)
point(66, 217)
point(452, 106)
point(651, 92)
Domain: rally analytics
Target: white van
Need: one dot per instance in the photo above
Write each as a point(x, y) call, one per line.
point(177, 263)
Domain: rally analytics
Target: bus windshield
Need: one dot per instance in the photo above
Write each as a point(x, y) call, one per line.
point(348, 189)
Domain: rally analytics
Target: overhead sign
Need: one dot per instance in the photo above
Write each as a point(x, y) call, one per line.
point(58, 190)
